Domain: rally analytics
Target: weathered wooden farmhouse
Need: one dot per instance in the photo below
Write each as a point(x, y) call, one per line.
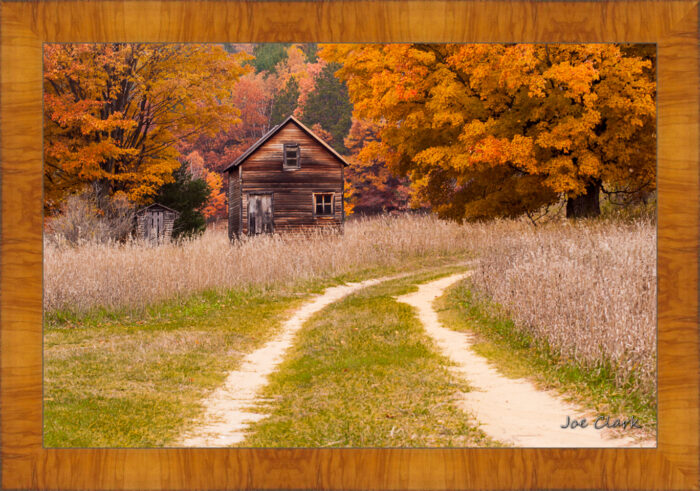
point(155, 223)
point(288, 181)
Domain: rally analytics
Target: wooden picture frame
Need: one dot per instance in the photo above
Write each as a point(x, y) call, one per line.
point(25, 26)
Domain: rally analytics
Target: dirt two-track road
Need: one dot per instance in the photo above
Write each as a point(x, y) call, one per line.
point(512, 411)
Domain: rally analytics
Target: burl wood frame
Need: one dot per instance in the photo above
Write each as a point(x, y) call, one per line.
point(26, 25)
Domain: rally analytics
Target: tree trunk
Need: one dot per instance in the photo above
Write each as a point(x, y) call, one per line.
point(586, 205)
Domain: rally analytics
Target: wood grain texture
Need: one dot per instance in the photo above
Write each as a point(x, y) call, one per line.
point(26, 465)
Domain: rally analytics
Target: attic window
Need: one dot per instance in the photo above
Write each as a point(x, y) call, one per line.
point(291, 155)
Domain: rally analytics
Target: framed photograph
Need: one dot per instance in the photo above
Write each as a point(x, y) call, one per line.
point(349, 245)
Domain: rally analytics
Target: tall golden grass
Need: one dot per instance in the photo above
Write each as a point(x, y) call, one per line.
point(588, 289)
point(136, 274)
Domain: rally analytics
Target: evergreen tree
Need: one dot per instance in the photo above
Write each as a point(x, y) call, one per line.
point(268, 55)
point(186, 195)
point(285, 102)
point(329, 105)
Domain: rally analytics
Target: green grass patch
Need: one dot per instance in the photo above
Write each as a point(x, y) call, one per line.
point(363, 373)
point(517, 354)
point(137, 377)
point(125, 381)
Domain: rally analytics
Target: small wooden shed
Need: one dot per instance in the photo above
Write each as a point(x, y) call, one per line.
point(155, 223)
point(290, 180)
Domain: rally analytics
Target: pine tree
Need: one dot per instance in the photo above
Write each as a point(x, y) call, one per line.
point(268, 55)
point(329, 105)
point(310, 50)
point(285, 102)
point(186, 195)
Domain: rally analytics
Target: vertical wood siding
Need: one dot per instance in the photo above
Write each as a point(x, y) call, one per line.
point(234, 204)
point(168, 222)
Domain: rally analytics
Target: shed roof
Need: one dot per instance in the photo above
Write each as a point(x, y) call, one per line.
point(273, 132)
point(142, 210)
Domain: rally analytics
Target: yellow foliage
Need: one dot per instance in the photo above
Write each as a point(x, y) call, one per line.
point(486, 130)
point(113, 113)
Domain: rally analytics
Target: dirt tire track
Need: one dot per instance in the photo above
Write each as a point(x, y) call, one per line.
point(512, 411)
point(230, 408)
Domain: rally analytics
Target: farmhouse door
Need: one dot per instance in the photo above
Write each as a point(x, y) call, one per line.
point(259, 214)
point(154, 225)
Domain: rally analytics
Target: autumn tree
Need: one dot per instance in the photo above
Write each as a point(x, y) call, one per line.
point(215, 206)
point(501, 130)
point(114, 112)
point(371, 187)
point(253, 95)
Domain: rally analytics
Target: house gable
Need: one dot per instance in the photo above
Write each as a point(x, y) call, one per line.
point(271, 137)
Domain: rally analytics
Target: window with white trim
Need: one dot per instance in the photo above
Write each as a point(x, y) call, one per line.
point(291, 155)
point(323, 204)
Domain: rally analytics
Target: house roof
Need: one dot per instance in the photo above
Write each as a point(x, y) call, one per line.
point(142, 210)
point(291, 119)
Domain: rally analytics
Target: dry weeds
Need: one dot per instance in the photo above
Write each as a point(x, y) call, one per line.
point(588, 289)
point(136, 274)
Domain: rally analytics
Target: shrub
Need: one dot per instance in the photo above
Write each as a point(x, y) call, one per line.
point(186, 195)
point(88, 217)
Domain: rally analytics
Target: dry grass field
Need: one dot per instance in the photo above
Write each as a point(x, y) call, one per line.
point(588, 288)
point(585, 289)
point(114, 276)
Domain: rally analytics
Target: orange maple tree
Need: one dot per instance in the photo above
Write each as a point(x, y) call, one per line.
point(487, 130)
point(216, 204)
point(296, 66)
point(114, 112)
point(252, 94)
point(370, 186)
